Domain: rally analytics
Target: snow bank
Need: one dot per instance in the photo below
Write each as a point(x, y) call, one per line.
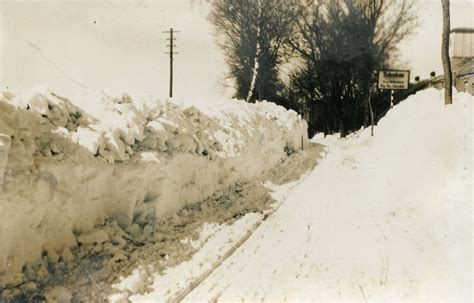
point(413, 129)
point(68, 165)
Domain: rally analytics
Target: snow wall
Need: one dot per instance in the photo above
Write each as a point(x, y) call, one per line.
point(67, 165)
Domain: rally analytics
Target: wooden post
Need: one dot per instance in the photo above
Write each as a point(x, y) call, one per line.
point(371, 113)
point(391, 98)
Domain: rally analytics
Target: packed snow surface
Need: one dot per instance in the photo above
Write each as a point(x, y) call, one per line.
point(381, 219)
point(68, 165)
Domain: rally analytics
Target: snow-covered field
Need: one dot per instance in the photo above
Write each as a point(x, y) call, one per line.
point(381, 219)
point(119, 162)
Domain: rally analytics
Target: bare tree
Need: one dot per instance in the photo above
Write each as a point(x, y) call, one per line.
point(252, 35)
point(344, 42)
point(257, 53)
point(448, 76)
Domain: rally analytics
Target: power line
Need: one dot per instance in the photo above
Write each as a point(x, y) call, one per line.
point(54, 64)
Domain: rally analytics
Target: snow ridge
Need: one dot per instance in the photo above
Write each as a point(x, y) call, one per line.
point(68, 165)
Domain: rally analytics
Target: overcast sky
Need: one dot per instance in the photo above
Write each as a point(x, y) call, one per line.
point(120, 45)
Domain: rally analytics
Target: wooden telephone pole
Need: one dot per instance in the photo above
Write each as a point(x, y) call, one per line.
point(448, 76)
point(171, 53)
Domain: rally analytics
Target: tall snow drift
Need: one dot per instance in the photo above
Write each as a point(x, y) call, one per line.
point(67, 165)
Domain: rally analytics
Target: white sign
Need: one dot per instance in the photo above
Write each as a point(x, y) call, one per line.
point(394, 79)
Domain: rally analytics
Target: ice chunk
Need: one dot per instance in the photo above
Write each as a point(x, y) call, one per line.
point(89, 139)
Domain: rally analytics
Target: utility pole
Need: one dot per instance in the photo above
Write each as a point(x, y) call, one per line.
point(171, 53)
point(448, 76)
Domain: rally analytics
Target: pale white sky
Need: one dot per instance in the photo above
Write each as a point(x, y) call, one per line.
point(119, 45)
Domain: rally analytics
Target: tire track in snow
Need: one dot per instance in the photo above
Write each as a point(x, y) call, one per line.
point(194, 284)
point(182, 294)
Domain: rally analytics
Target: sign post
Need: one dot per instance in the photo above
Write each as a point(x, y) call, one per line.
point(390, 80)
point(393, 79)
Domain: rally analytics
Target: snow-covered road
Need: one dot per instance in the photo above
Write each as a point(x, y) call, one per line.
point(387, 219)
